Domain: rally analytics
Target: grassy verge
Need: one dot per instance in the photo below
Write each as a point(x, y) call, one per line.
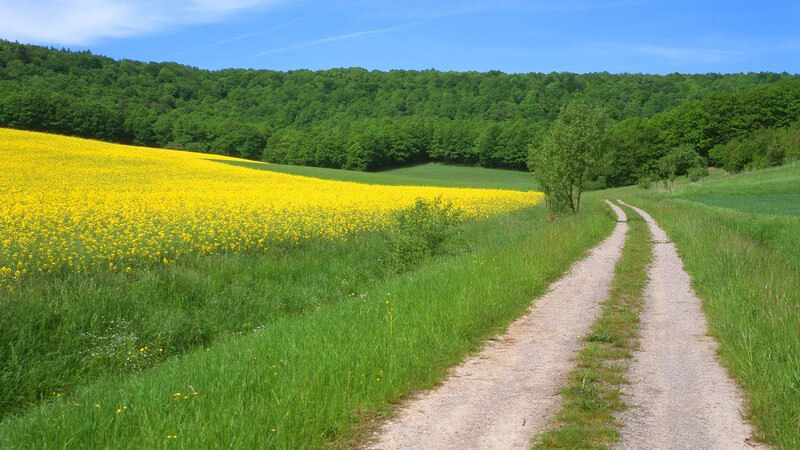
point(745, 268)
point(593, 393)
point(307, 379)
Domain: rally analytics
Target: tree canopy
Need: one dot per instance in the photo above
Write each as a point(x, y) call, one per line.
point(370, 120)
point(570, 154)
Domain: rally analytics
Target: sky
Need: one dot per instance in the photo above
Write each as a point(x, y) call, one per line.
point(647, 36)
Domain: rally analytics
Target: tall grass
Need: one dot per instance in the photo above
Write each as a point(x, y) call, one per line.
point(746, 268)
point(306, 379)
point(57, 333)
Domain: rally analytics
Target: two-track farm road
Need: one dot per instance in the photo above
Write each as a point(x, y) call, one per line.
point(500, 397)
point(680, 396)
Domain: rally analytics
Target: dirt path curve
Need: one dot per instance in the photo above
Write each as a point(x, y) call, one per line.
point(500, 397)
point(680, 395)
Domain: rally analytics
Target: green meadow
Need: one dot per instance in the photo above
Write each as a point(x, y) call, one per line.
point(428, 174)
point(309, 345)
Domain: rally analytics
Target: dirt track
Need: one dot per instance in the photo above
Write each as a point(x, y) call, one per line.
point(679, 394)
point(502, 396)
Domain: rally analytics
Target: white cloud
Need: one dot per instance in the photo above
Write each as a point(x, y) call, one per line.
point(341, 37)
point(422, 18)
point(279, 26)
point(80, 22)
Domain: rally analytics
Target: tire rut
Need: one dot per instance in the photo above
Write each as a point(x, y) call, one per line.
point(509, 391)
point(679, 394)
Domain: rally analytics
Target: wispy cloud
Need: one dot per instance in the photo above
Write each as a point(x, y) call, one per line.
point(279, 26)
point(81, 22)
point(569, 6)
point(341, 37)
point(401, 10)
point(422, 18)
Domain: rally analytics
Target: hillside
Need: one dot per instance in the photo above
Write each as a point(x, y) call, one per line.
point(429, 174)
point(130, 206)
point(348, 118)
point(240, 275)
point(773, 191)
point(123, 265)
point(82, 210)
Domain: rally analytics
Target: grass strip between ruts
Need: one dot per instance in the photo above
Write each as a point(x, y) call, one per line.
point(593, 394)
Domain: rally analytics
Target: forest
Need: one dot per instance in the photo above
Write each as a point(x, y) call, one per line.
point(371, 120)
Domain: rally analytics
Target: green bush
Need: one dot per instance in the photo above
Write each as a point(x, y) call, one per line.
point(420, 231)
point(645, 182)
point(679, 161)
point(697, 173)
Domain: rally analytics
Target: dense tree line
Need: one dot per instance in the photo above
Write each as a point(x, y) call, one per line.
point(727, 129)
point(368, 120)
point(761, 148)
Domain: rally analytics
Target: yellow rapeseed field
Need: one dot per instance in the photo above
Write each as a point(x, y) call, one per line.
point(69, 204)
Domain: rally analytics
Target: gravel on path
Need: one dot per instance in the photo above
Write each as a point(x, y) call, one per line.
point(509, 391)
point(680, 397)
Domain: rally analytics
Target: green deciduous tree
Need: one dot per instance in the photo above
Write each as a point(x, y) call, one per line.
point(487, 144)
point(570, 152)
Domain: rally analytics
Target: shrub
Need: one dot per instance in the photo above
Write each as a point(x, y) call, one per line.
point(697, 173)
point(421, 231)
point(679, 161)
point(645, 182)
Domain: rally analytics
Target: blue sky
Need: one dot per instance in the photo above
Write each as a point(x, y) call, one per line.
point(650, 36)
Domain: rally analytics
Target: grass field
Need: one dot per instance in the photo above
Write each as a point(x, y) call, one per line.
point(294, 344)
point(744, 259)
point(771, 191)
point(92, 232)
point(302, 342)
point(430, 174)
point(304, 379)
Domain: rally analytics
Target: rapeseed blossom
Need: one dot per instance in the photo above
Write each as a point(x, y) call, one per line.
point(71, 205)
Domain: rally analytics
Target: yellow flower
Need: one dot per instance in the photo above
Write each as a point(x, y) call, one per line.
point(77, 205)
